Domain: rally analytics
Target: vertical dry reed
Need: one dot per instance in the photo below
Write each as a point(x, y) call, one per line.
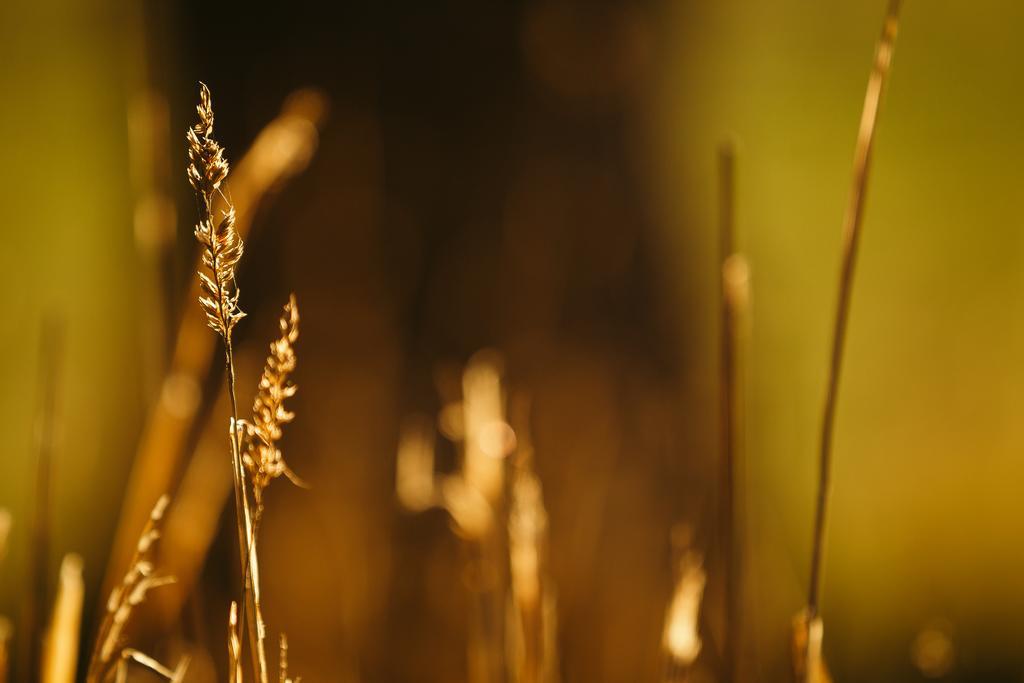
point(533, 657)
point(5, 623)
point(502, 521)
point(281, 150)
point(51, 343)
point(221, 250)
point(681, 640)
point(234, 646)
point(60, 651)
point(852, 223)
point(5, 643)
point(734, 301)
point(254, 444)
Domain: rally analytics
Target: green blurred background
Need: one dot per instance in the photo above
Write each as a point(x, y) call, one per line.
point(540, 177)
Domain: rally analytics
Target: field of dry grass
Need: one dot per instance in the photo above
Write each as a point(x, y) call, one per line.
point(547, 433)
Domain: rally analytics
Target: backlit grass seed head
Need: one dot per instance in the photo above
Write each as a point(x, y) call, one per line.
point(138, 581)
point(222, 247)
point(261, 455)
point(207, 166)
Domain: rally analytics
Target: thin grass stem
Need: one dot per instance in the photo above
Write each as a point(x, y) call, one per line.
point(852, 223)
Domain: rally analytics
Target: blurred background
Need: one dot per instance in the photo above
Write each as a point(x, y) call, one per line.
point(538, 178)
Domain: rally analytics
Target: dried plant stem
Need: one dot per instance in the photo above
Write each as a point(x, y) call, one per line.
point(222, 249)
point(246, 533)
point(144, 660)
point(732, 303)
point(60, 655)
point(234, 647)
point(261, 457)
point(282, 660)
point(50, 351)
point(533, 657)
point(281, 150)
point(851, 237)
point(5, 640)
point(252, 565)
point(681, 636)
point(487, 617)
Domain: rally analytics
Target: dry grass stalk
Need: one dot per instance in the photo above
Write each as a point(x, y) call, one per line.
point(254, 444)
point(808, 663)
point(283, 663)
point(129, 655)
point(415, 483)
point(504, 527)
point(534, 658)
point(60, 650)
point(681, 637)
point(282, 149)
point(260, 453)
point(487, 437)
point(234, 646)
point(5, 623)
point(51, 342)
point(5, 653)
point(734, 295)
point(175, 675)
point(527, 532)
point(6, 521)
point(475, 498)
point(221, 250)
point(852, 223)
point(140, 578)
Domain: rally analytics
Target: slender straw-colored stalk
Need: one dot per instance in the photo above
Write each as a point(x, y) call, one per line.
point(5, 531)
point(282, 149)
point(234, 647)
point(808, 663)
point(5, 623)
point(681, 636)
point(51, 349)
point(852, 223)
point(533, 655)
point(60, 654)
point(175, 675)
point(261, 456)
point(282, 666)
point(5, 642)
point(222, 249)
point(475, 498)
point(733, 295)
point(487, 439)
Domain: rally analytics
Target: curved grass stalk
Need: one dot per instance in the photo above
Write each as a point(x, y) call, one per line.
point(852, 224)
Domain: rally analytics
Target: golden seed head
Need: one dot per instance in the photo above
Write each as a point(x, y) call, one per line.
point(138, 581)
point(207, 166)
point(221, 245)
point(261, 455)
